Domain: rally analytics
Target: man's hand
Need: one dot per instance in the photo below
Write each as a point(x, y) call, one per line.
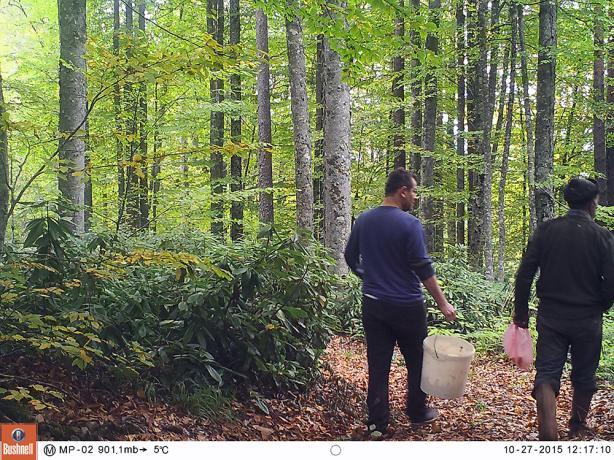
point(522, 323)
point(448, 311)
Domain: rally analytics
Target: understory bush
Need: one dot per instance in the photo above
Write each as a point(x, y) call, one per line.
point(252, 314)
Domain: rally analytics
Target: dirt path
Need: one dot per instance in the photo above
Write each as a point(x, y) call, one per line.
point(496, 406)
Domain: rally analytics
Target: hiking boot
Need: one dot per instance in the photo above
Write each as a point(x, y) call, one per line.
point(546, 413)
point(427, 416)
point(580, 406)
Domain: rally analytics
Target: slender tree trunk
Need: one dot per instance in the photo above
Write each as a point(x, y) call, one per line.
point(265, 163)
point(460, 113)
point(337, 154)
point(599, 139)
point(297, 69)
point(610, 114)
point(570, 123)
point(236, 208)
point(506, 148)
point(88, 193)
point(215, 27)
point(486, 103)
point(430, 127)
point(474, 124)
point(117, 109)
point(131, 195)
point(398, 93)
point(73, 105)
point(156, 166)
point(544, 124)
point(528, 117)
point(501, 107)
point(143, 180)
point(416, 91)
point(318, 167)
point(4, 169)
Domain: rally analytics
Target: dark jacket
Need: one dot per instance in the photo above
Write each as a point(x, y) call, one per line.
point(575, 257)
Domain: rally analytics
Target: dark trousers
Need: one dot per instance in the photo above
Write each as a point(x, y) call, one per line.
point(558, 335)
point(386, 324)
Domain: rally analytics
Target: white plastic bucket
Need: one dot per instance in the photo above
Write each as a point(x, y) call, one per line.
point(445, 366)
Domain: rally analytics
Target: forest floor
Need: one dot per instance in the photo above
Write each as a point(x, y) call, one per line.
point(497, 406)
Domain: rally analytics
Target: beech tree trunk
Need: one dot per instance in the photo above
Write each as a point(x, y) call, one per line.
point(117, 109)
point(528, 121)
point(398, 93)
point(599, 139)
point(236, 167)
point(506, 148)
point(544, 124)
point(215, 27)
point(265, 164)
point(142, 178)
point(460, 113)
point(430, 128)
point(318, 167)
point(73, 106)
point(337, 154)
point(297, 69)
point(475, 123)
point(416, 92)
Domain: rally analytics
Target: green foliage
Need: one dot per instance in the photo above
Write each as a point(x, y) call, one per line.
point(252, 313)
point(606, 364)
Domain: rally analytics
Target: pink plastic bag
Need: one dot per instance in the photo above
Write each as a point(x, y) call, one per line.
point(518, 345)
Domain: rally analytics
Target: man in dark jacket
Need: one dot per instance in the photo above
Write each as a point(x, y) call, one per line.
point(387, 250)
point(575, 257)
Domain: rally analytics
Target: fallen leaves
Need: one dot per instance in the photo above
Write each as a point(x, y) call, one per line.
point(497, 406)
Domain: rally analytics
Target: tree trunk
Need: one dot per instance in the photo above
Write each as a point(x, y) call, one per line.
point(398, 93)
point(4, 169)
point(143, 180)
point(506, 148)
point(501, 108)
point(215, 27)
point(318, 167)
point(73, 106)
point(131, 192)
point(528, 121)
point(416, 91)
point(236, 207)
point(430, 128)
point(610, 113)
point(88, 193)
point(544, 125)
point(156, 166)
point(297, 69)
point(487, 101)
point(474, 124)
point(460, 113)
point(599, 139)
point(265, 163)
point(117, 109)
point(337, 154)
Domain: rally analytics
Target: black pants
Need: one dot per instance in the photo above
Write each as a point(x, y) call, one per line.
point(386, 324)
point(557, 336)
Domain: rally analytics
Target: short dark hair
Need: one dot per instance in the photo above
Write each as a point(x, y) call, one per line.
point(579, 192)
point(398, 178)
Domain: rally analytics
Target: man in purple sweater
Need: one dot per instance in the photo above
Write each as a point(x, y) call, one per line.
point(387, 250)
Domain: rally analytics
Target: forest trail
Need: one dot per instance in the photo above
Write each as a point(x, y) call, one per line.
point(496, 406)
